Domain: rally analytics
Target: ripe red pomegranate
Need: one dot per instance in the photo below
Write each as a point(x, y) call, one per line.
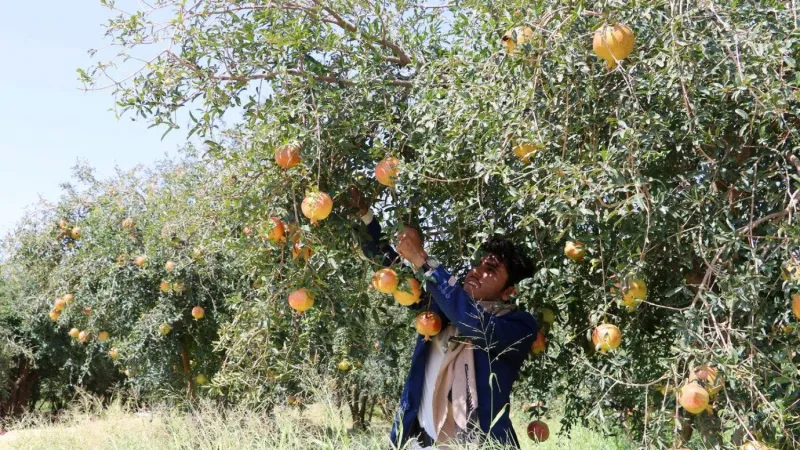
point(301, 300)
point(606, 337)
point(539, 344)
point(386, 171)
point(693, 397)
point(317, 206)
point(198, 312)
point(385, 281)
point(428, 324)
point(288, 156)
point(538, 431)
point(275, 230)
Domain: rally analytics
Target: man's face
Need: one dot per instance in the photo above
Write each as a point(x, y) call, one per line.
point(487, 281)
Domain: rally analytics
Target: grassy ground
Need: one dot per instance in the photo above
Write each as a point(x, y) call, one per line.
point(320, 426)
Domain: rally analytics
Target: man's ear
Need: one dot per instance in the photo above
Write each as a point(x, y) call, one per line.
point(508, 293)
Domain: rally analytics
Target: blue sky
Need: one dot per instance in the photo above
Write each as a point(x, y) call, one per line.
point(46, 122)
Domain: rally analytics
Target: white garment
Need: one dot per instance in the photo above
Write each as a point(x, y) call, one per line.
point(432, 367)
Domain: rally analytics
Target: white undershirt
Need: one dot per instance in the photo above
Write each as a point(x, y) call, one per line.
point(432, 368)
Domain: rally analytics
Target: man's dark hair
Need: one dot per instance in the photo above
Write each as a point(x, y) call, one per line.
point(518, 265)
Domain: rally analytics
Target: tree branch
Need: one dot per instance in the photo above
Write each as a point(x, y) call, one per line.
point(402, 57)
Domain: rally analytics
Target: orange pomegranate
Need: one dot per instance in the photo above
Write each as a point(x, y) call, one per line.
point(59, 304)
point(606, 337)
point(613, 43)
point(539, 344)
point(288, 156)
point(428, 324)
point(74, 333)
point(87, 310)
point(301, 300)
point(317, 206)
point(796, 304)
point(301, 251)
point(54, 315)
point(386, 171)
point(169, 266)
point(385, 281)
point(198, 312)
point(103, 336)
point(83, 337)
point(410, 297)
point(164, 286)
point(693, 397)
point(709, 378)
point(128, 223)
point(574, 251)
point(140, 261)
point(68, 298)
point(538, 431)
point(113, 354)
point(275, 230)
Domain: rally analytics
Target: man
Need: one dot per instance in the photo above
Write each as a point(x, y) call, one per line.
point(450, 395)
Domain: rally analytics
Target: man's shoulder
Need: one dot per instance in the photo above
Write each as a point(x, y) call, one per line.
point(521, 316)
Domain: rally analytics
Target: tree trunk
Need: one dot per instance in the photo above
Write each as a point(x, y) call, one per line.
point(21, 390)
point(186, 371)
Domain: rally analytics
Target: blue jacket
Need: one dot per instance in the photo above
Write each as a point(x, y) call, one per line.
point(501, 345)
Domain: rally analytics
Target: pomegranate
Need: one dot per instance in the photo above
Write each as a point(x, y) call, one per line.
point(54, 315)
point(87, 310)
point(344, 365)
point(548, 316)
point(709, 378)
point(178, 287)
point(790, 271)
point(796, 304)
point(317, 206)
point(634, 291)
point(63, 224)
point(128, 223)
point(428, 324)
point(515, 36)
point(103, 336)
point(275, 230)
point(198, 312)
point(169, 266)
point(385, 281)
point(539, 344)
point(113, 354)
point(526, 151)
point(68, 298)
point(201, 379)
point(538, 431)
point(74, 333)
point(613, 43)
point(164, 286)
point(410, 297)
point(301, 300)
point(75, 233)
point(84, 336)
point(59, 304)
point(386, 171)
point(288, 156)
point(140, 261)
point(164, 329)
point(301, 251)
point(693, 397)
point(606, 337)
point(574, 251)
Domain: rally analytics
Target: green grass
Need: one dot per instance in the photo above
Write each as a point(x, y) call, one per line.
point(320, 426)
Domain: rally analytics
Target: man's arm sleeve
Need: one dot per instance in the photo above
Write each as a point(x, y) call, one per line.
point(486, 330)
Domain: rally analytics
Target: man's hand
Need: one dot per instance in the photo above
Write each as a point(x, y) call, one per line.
point(409, 245)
